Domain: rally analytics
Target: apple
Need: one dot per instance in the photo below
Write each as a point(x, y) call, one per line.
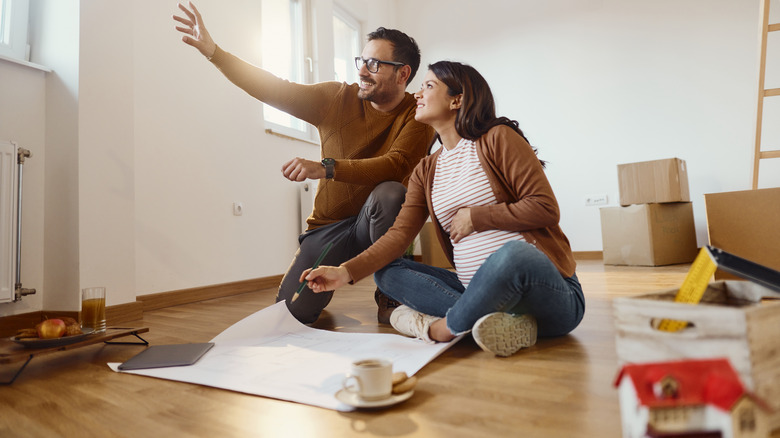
point(51, 329)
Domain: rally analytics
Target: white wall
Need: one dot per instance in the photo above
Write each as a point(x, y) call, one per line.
point(54, 37)
point(200, 146)
point(141, 146)
point(107, 172)
point(596, 83)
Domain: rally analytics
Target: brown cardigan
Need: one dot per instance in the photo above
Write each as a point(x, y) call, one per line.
point(526, 204)
point(369, 146)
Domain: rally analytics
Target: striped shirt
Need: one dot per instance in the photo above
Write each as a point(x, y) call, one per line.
point(460, 181)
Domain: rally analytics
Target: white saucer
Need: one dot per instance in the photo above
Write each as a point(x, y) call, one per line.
point(353, 400)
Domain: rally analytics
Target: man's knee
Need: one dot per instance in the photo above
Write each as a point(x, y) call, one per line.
point(389, 195)
point(307, 309)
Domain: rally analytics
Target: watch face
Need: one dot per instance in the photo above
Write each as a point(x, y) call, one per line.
point(328, 161)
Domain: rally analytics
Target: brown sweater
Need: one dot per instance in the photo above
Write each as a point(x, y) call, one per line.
point(526, 204)
point(369, 146)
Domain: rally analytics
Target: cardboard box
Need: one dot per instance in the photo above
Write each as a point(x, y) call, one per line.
point(653, 181)
point(731, 321)
point(746, 224)
point(432, 254)
point(648, 234)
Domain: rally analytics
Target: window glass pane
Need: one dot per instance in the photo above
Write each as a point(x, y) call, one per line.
point(13, 28)
point(282, 47)
point(346, 46)
point(4, 27)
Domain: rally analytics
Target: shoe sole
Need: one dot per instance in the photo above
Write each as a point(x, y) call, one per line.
point(503, 334)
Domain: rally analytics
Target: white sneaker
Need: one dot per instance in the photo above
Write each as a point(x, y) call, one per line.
point(503, 334)
point(412, 323)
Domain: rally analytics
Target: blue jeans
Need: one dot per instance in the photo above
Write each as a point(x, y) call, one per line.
point(350, 237)
point(517, 279)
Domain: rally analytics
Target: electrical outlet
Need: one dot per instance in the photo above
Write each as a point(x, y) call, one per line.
point(600, 199)
point(238, 209)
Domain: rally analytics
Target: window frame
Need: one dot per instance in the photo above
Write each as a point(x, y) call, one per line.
point(343, 15)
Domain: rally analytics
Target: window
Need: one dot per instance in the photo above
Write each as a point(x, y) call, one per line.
point(747, 419)
point(286, 46)
point(13, 29)
point(346, 46)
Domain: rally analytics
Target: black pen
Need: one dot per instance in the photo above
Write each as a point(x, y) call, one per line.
point(316, 264)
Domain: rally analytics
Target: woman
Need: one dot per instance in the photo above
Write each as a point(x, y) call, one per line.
point(497, 219)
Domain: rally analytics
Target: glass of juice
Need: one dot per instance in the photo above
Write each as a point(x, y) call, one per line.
point(93, 308)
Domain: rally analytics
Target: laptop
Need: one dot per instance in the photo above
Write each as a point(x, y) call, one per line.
point(161, 356)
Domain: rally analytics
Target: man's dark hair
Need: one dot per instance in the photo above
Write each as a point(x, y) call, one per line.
point(404, 48)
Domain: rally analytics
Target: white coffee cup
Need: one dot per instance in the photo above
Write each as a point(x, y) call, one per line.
point(370, 379)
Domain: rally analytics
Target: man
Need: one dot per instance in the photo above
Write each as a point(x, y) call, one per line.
point(370, 144)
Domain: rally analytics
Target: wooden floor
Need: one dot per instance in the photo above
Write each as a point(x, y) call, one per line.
point(558, 388)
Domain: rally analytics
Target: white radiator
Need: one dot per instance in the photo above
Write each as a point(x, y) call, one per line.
point(7, 220)
point(307, 190)
point(11, 163)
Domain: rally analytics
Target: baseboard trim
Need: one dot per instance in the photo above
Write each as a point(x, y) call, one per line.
point(122, 313)
point(134, 311)
point(195, 294)
point(9, 325)
point(588, 255)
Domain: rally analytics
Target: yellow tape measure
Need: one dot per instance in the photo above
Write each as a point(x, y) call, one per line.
point(693, 287)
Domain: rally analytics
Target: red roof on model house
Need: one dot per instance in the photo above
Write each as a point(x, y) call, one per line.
point(686, 383)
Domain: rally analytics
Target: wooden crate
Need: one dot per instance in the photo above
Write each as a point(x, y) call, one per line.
point(732, 321)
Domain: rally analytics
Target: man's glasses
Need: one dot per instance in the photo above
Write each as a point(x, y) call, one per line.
point(372, 64)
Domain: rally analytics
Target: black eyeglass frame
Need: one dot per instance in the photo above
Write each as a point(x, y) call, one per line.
point(360, 61)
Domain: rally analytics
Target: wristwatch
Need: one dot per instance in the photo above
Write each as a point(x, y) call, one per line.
point(328, 164)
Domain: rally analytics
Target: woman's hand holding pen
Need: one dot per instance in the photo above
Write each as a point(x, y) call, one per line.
point(195, 33)
point(326, 278)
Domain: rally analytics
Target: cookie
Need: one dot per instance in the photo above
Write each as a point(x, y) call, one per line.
point(399, 377)
point(27, 333)
point(405, 386)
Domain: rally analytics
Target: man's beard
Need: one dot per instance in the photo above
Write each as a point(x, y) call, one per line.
point(376, 94)
point(367, 94)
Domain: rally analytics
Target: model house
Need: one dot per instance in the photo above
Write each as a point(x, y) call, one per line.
point(688, 398)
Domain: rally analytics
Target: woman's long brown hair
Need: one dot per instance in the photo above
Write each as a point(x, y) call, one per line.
point(477, 113)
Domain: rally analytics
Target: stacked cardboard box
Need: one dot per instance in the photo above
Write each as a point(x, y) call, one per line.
point(654, 224)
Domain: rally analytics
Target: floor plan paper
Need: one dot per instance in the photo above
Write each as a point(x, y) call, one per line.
point(271, 354)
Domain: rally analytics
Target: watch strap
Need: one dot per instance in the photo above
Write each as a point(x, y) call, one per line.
point(329, 165)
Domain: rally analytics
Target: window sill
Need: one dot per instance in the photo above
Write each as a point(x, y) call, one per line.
point(25, 63)
point(290, 137)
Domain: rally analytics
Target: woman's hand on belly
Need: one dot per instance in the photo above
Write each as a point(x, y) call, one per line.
point(461, 225)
